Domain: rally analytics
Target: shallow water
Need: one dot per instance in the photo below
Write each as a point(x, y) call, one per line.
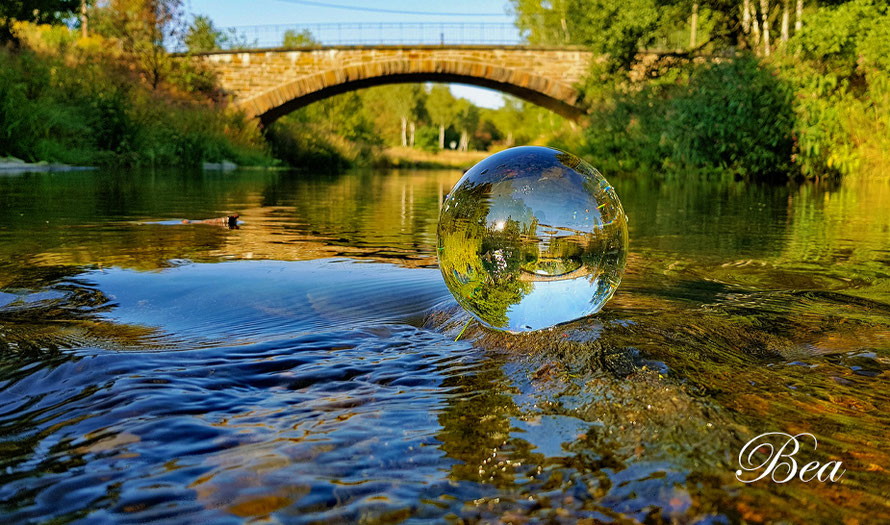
point(304, 368)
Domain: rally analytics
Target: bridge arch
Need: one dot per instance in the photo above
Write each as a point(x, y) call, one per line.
point(268, 84)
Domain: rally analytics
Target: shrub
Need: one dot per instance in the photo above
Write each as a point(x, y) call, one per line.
point(427, 139)
point(299, 145)
point(736, 115)
point(733, 115)
point(625, 133)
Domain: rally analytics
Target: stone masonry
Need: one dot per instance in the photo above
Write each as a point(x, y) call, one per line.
point(269, 83)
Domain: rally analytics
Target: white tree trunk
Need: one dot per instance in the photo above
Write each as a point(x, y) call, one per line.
point(83, 18)
point(464, 140)
point(441, 136)
point(764, 15)
point(694, 29)
point(755, 25)
point(785, 16)
point(509, 138)
point(404, 131)
point(411, 127)
point(798, 16)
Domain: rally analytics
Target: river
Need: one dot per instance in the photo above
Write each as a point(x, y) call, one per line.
point(303, 367)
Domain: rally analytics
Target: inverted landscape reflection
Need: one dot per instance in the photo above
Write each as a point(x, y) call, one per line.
point(532, 237)
point(304, 368)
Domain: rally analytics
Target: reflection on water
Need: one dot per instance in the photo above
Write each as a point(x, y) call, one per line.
point(303, 367)
point(532, 237)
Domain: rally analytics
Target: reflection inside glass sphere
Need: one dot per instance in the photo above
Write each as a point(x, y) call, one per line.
point(532, 237)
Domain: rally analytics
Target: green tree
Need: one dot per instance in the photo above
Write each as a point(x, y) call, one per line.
point(508, 118)
point(467, 120)
point(203, 36)
point(442, 109)
point(40, 11)
point(543, 23)
point(143, 27)
point(403, 101)
point(620, 29)
point(304, 38)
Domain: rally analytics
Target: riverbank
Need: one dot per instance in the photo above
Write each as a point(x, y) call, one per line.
point(403, 157)
point(70, 101)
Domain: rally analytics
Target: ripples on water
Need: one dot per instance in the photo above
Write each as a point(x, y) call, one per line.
point(303, 368)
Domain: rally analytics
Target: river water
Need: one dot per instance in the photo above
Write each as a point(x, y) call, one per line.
point(304, 367)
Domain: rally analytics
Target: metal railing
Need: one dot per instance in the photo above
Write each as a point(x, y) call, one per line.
point(380, 33)
point(389, 33)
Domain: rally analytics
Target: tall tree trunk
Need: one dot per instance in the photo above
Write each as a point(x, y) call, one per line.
point(798, 17)
point(404, 131)
point(83, 18)
point(694, 29)
point(509, 139)
point(755, 26)
point(441, 136)
point(562, 22)
point(411, 133)
point(785, 16)
point(764, 15)
point(464, 140)
point(746, 16)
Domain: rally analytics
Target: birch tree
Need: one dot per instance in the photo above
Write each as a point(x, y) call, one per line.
point(785, 10)
point(467, 119)
point(755, 25)
point(441, 107)
point(764, 14)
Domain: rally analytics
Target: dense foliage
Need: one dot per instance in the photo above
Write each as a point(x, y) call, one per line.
point(748, 86)
point(728, 115)
point(73, 100)
point(39, 11)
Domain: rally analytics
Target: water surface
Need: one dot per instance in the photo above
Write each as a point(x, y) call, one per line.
point(303, 367)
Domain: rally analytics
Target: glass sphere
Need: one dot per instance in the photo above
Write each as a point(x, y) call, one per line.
point(532, 237)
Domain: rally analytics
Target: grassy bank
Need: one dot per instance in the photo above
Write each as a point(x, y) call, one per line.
point(403, 157)
point(71, 100)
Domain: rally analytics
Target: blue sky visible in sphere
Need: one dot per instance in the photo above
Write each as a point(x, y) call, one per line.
point(234, 13)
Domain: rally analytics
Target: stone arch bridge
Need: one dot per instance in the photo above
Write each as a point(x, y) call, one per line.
point(269, 83)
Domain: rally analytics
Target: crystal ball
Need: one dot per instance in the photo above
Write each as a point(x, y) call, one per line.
point(532, 237)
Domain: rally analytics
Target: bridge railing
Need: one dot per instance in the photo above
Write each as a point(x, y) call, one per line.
point(376, 33)
point(385, 33)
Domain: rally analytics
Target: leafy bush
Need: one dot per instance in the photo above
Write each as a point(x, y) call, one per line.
point(301, 146)
point(625, 133)
point(736, 115)
point(733, 115)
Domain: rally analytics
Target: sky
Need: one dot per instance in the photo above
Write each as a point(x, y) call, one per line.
point(237, 13)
